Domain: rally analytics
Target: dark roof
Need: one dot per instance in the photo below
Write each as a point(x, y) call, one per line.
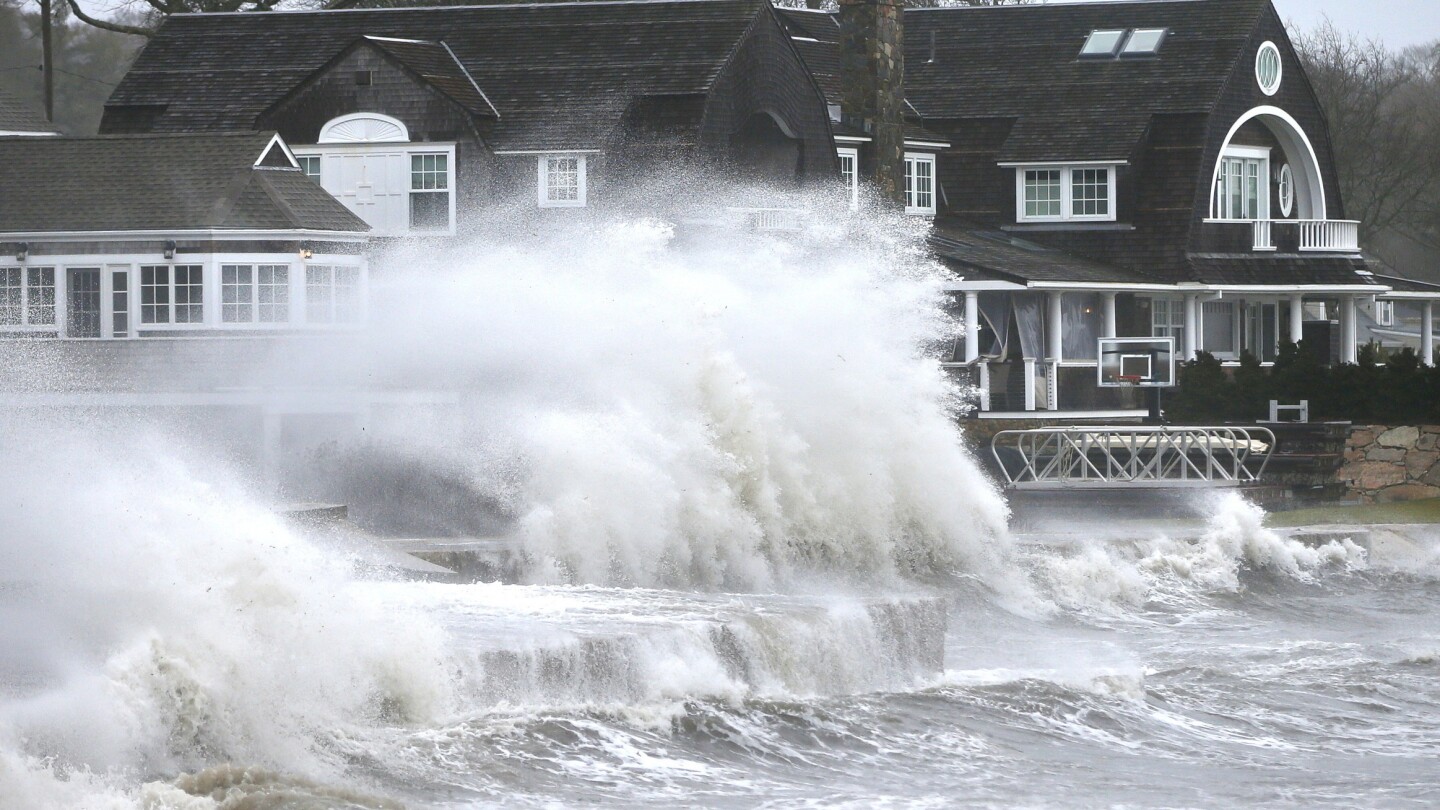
point(1000, 255)
point(1282, 269)
point(436, 65)
point(560, 75)
point(1408, 285)
point(159, 182)
point(1021, 62)
point(17, 116)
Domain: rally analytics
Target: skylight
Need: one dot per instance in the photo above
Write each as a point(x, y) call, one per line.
point(1102, 43)
point(1143, 42)
point(1114, 43)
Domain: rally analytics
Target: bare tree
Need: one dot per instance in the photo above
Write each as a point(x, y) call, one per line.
point(156, 10)
point(1384, 113)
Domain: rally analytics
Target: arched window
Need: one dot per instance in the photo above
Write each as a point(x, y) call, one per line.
point(1269, 69)
point(364, 128)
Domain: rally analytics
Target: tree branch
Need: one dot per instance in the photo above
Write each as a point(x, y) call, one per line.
point(119, 28)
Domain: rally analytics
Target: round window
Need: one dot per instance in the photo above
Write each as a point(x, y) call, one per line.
point(1286, 188)
point(1268, 69)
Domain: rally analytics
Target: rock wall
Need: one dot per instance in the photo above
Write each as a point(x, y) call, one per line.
point(1385, 464)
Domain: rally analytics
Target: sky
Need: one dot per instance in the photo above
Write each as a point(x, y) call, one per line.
point(1397, 23)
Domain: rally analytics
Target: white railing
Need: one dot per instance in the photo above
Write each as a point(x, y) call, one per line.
point(770, 219)
point(1264, 236)
point(1314, 235)
point(1330, 235)
point(1132, 457)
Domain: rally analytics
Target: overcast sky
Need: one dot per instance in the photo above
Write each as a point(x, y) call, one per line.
point(1397, 23)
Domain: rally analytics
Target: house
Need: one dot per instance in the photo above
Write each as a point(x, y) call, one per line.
point(415, 118)
point(1111, 169)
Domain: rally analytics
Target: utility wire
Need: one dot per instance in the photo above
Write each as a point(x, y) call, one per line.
point(61, 70)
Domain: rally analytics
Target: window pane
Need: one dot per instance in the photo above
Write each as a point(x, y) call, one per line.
point(1090, 192)
point(1219, 328)
point(562, 179)
point(272, 294)
point(429, 210)
point(1042, 193)
point(11, 300)
point(40, 296)
point(1102, 43)
point(155, 294)
point(319, 294)
point(189, 294)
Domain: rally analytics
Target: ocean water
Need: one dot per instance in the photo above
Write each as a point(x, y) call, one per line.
point(759, 570)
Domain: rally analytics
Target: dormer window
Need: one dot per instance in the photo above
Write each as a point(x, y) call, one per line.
point(562, 181)
point(1065, 193)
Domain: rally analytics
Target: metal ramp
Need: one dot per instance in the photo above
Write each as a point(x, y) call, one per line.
point(1071, 458)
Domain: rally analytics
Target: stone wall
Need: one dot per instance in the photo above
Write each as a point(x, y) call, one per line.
point(1384, 464)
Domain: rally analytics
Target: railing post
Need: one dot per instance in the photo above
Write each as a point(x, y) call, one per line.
point(984, 386)
point(1029, 384)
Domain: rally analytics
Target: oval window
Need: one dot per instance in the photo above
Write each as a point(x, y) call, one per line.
point(1268, 69)
point(1286, 187)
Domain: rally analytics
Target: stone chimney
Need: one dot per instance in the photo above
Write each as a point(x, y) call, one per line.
point(872, 85)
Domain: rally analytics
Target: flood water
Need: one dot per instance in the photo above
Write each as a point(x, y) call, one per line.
point(760, 570)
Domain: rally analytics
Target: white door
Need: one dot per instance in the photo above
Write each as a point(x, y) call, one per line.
point(372, 184)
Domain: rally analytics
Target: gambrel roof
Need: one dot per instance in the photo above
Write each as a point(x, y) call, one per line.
point(1023, 63)
point(234, 181)
point(559, 75)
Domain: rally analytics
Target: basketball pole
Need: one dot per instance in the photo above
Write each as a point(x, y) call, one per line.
point(1154, 402)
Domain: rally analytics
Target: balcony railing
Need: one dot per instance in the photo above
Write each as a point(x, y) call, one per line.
point(1307, 236)
point(770, 219)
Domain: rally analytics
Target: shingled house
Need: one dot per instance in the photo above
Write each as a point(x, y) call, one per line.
point(1123, 168)
point(18, 118)
point(415, 117)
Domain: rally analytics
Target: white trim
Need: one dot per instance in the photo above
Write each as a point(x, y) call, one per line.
point(7, 133)
point(1086, 285)
point(264, 153)
point(473, 83)
point(914, 159)
point(930, 144)
point(1285, 189)
point(398, 39)
point(845, 139)
point(393, 217)
point(547, 151)
point(1254, 152)
point(853, 186)
point(217, 235)
point(328, 130)
point(1030, 164)
point(1067, 198)
point(803, 39)
point(1313, 185)
point(542, 166)
point(1412, 296)
point(1267, 48)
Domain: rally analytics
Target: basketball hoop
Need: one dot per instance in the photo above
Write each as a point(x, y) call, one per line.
point(1128, 380)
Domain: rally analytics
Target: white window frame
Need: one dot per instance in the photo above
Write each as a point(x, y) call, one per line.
point(331, 263)
point(1172, 325)
point(254, 286)
point(542, 164)
point(26, 323)
point(329, 153)
point(1067, 198)
point(1237, 313)
point(1384, 313)
point(1269, 49)
point(1245, 156)
point(206, 296)
point(1285, 189)
point(306, 161)
point(912, 190)
point(851, 156)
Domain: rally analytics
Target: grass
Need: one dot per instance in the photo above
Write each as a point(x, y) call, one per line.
point(1427, 511)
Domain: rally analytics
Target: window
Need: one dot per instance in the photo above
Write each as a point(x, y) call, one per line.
point(1102, 43)
point(850, 174)
point(1219, 329)
point(1287, 190)
point(919, 184)
point(332, 294)
point(119, 302)
point(562, 181)
point(1242, 187)
point(1262, 330)
point(254, 294)
point(310, 165)
point(1167, 319)
point(1384, 313)
point(1063, 193)
point(1269, 70)
point(429, 192)
point(27, 296)
point(1143, 42)
point(172, 294)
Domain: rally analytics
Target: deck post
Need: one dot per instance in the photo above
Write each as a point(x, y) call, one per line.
point(1029, 384)
point(1297, 319)
point(1427, 333)
point(1349, 336)
point(1110, 331)
point(972, 327)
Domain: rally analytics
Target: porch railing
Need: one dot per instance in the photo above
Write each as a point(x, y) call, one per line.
point(1312, 235)
point(770, 219)
point(1132, 457)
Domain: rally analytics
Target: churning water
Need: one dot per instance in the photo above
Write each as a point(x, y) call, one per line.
point(760, 571)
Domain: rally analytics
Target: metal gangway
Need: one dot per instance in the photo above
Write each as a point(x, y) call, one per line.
point(1067, 458)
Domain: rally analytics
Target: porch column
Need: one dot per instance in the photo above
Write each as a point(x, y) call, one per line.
point(1427, 333)
point(1192, 326)
point(1297, 318)
point(972, 327)
point(1029, 383)
point(1349, 339)
point(1110, 331)
point(1056, 342)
